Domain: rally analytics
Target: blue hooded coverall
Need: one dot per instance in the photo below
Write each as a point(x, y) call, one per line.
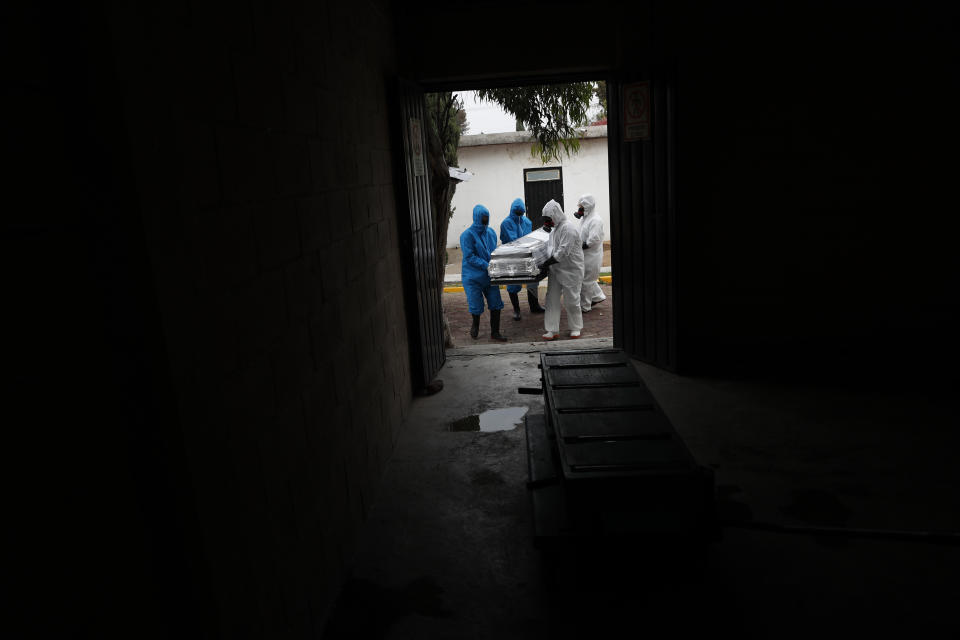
point(476, 243)
point(515, 226)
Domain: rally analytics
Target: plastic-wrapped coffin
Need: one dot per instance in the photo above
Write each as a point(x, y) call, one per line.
point(520, 259)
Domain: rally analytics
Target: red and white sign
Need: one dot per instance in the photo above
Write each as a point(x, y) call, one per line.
point(416, 147)
point(636, 111)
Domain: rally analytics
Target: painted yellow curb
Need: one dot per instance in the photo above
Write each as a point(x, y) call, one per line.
point(606, 279)
point(456, 289)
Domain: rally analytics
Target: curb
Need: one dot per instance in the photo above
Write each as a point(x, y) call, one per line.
point(528, 346)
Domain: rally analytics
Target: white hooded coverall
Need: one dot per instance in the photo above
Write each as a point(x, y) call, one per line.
point(591, 234)
point(566, 275)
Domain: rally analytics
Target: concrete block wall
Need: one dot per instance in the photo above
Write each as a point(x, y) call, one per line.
point(260, 143)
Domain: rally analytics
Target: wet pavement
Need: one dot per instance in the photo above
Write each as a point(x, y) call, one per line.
point(596, 324)
point(491, 420)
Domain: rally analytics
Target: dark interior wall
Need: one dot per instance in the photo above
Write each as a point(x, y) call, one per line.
point(212, 352)
point(260, 145)
point(97, 539)
point(814, 167)
point(488, 42)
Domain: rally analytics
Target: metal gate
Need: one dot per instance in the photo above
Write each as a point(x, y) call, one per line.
point(643, 219)
point(539, 187)
point(418, 249)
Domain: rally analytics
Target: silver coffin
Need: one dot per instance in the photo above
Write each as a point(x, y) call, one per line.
point(519, 261)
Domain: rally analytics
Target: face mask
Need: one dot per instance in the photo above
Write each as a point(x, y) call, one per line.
point(579, 213)
point(484, 220)
point(547, 225)
point(519, 213)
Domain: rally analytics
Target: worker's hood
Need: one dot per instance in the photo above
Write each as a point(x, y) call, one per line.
point(517, 207)
point(588, 202)
point(553, 211)
point(478, 211)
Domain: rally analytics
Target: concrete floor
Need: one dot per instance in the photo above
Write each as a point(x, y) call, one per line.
point(446, 551)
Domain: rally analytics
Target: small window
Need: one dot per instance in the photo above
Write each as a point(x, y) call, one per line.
point(546, 174)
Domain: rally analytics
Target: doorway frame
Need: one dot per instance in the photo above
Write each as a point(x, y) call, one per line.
point(644, 215)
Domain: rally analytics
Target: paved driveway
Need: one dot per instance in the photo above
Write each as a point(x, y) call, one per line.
point(596, 324)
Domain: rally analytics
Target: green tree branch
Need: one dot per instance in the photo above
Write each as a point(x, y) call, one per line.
point(553, 113)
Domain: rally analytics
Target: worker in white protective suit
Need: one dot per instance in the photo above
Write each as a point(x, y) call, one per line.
point(591, 241)
point(565, 267)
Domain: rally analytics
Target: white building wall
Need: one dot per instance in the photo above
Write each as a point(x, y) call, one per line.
point(498, 178)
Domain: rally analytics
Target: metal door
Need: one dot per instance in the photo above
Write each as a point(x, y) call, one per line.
point(539, 187)
point(643, 220)
point(418, 249)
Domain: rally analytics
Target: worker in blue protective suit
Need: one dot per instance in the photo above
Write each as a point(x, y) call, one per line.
point(517, 225)
point(476, 243)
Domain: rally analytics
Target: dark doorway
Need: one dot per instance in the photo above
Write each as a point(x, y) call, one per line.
point(539, 187)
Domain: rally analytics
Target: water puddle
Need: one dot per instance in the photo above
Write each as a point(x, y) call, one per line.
point(492, 420)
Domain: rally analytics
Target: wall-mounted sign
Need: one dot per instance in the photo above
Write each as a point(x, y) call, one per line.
point(636, 111)
point(416, 147)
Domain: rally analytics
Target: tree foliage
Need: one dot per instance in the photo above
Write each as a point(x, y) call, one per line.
point(600, 90)
point(553, 113)
point(447, 122)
